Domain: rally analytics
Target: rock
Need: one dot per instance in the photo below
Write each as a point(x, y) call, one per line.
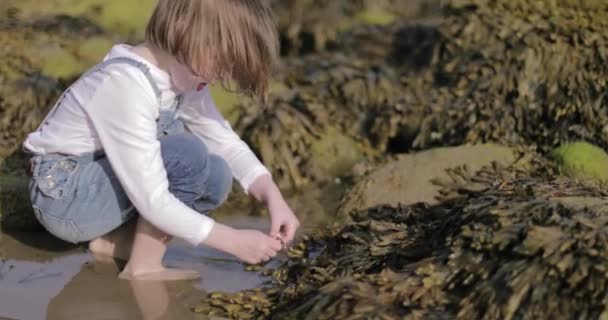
point(583, 161)
point(408, 178)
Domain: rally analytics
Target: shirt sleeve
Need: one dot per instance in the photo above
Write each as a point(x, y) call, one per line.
point(123, 112)
point(201, 117)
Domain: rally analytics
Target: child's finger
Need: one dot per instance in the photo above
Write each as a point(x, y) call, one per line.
point(275, 229)
point(271, 253)
point(276, 244)
point(290, 231)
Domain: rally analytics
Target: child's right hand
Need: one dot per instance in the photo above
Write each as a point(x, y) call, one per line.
point(253, 246)
point(250, 246)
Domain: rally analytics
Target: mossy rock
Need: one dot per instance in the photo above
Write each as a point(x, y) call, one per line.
point(15, 209)
point(583, 161)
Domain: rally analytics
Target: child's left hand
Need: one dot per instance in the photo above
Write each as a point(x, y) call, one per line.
point(284, 222)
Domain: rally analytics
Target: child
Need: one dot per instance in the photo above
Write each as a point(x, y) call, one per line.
point(135, 150)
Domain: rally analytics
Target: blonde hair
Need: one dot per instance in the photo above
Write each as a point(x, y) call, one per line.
point(237, 37)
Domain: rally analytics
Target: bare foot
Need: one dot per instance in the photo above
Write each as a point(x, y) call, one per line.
point(146, 260)
point(163, 274)
point(116, 244)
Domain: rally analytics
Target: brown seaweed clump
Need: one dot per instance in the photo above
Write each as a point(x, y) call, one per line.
point(406, 46)
point(517, 243)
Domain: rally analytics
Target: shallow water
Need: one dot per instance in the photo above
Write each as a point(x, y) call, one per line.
point(43, 278)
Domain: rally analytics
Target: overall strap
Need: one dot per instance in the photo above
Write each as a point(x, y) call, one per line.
point(138, 64)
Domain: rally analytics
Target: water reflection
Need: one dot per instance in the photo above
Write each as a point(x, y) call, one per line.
point(96, 293)
point(41, 278)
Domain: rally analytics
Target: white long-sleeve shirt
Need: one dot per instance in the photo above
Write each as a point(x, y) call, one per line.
point(115, 109)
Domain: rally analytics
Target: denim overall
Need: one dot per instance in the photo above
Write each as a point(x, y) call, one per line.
point(79, 198)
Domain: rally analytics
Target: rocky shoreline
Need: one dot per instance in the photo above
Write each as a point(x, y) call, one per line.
point(449, 130)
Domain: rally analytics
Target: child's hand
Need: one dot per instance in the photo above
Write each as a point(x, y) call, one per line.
point(250, 246)
point(253, 246)
point(283, 222)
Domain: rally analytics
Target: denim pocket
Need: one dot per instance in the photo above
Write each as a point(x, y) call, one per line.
point(61, 228)
point(54, 177)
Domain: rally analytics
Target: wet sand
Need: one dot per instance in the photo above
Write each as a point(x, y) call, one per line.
point(43, 278)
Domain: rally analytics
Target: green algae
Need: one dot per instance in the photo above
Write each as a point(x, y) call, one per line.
point(227, 102)
point(230, 103)
point(582, 160)
point(59, 56)
point(94, 49)
point(382, 18)
point(60, 63)
point(367, 17)
point(127, 18)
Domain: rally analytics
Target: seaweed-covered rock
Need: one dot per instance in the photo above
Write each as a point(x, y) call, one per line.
point(496, 71)
point(521, 72)
point(516, 243)
point(512, 72)
point(296, 148)
point(326, 119)
point(410, 178)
